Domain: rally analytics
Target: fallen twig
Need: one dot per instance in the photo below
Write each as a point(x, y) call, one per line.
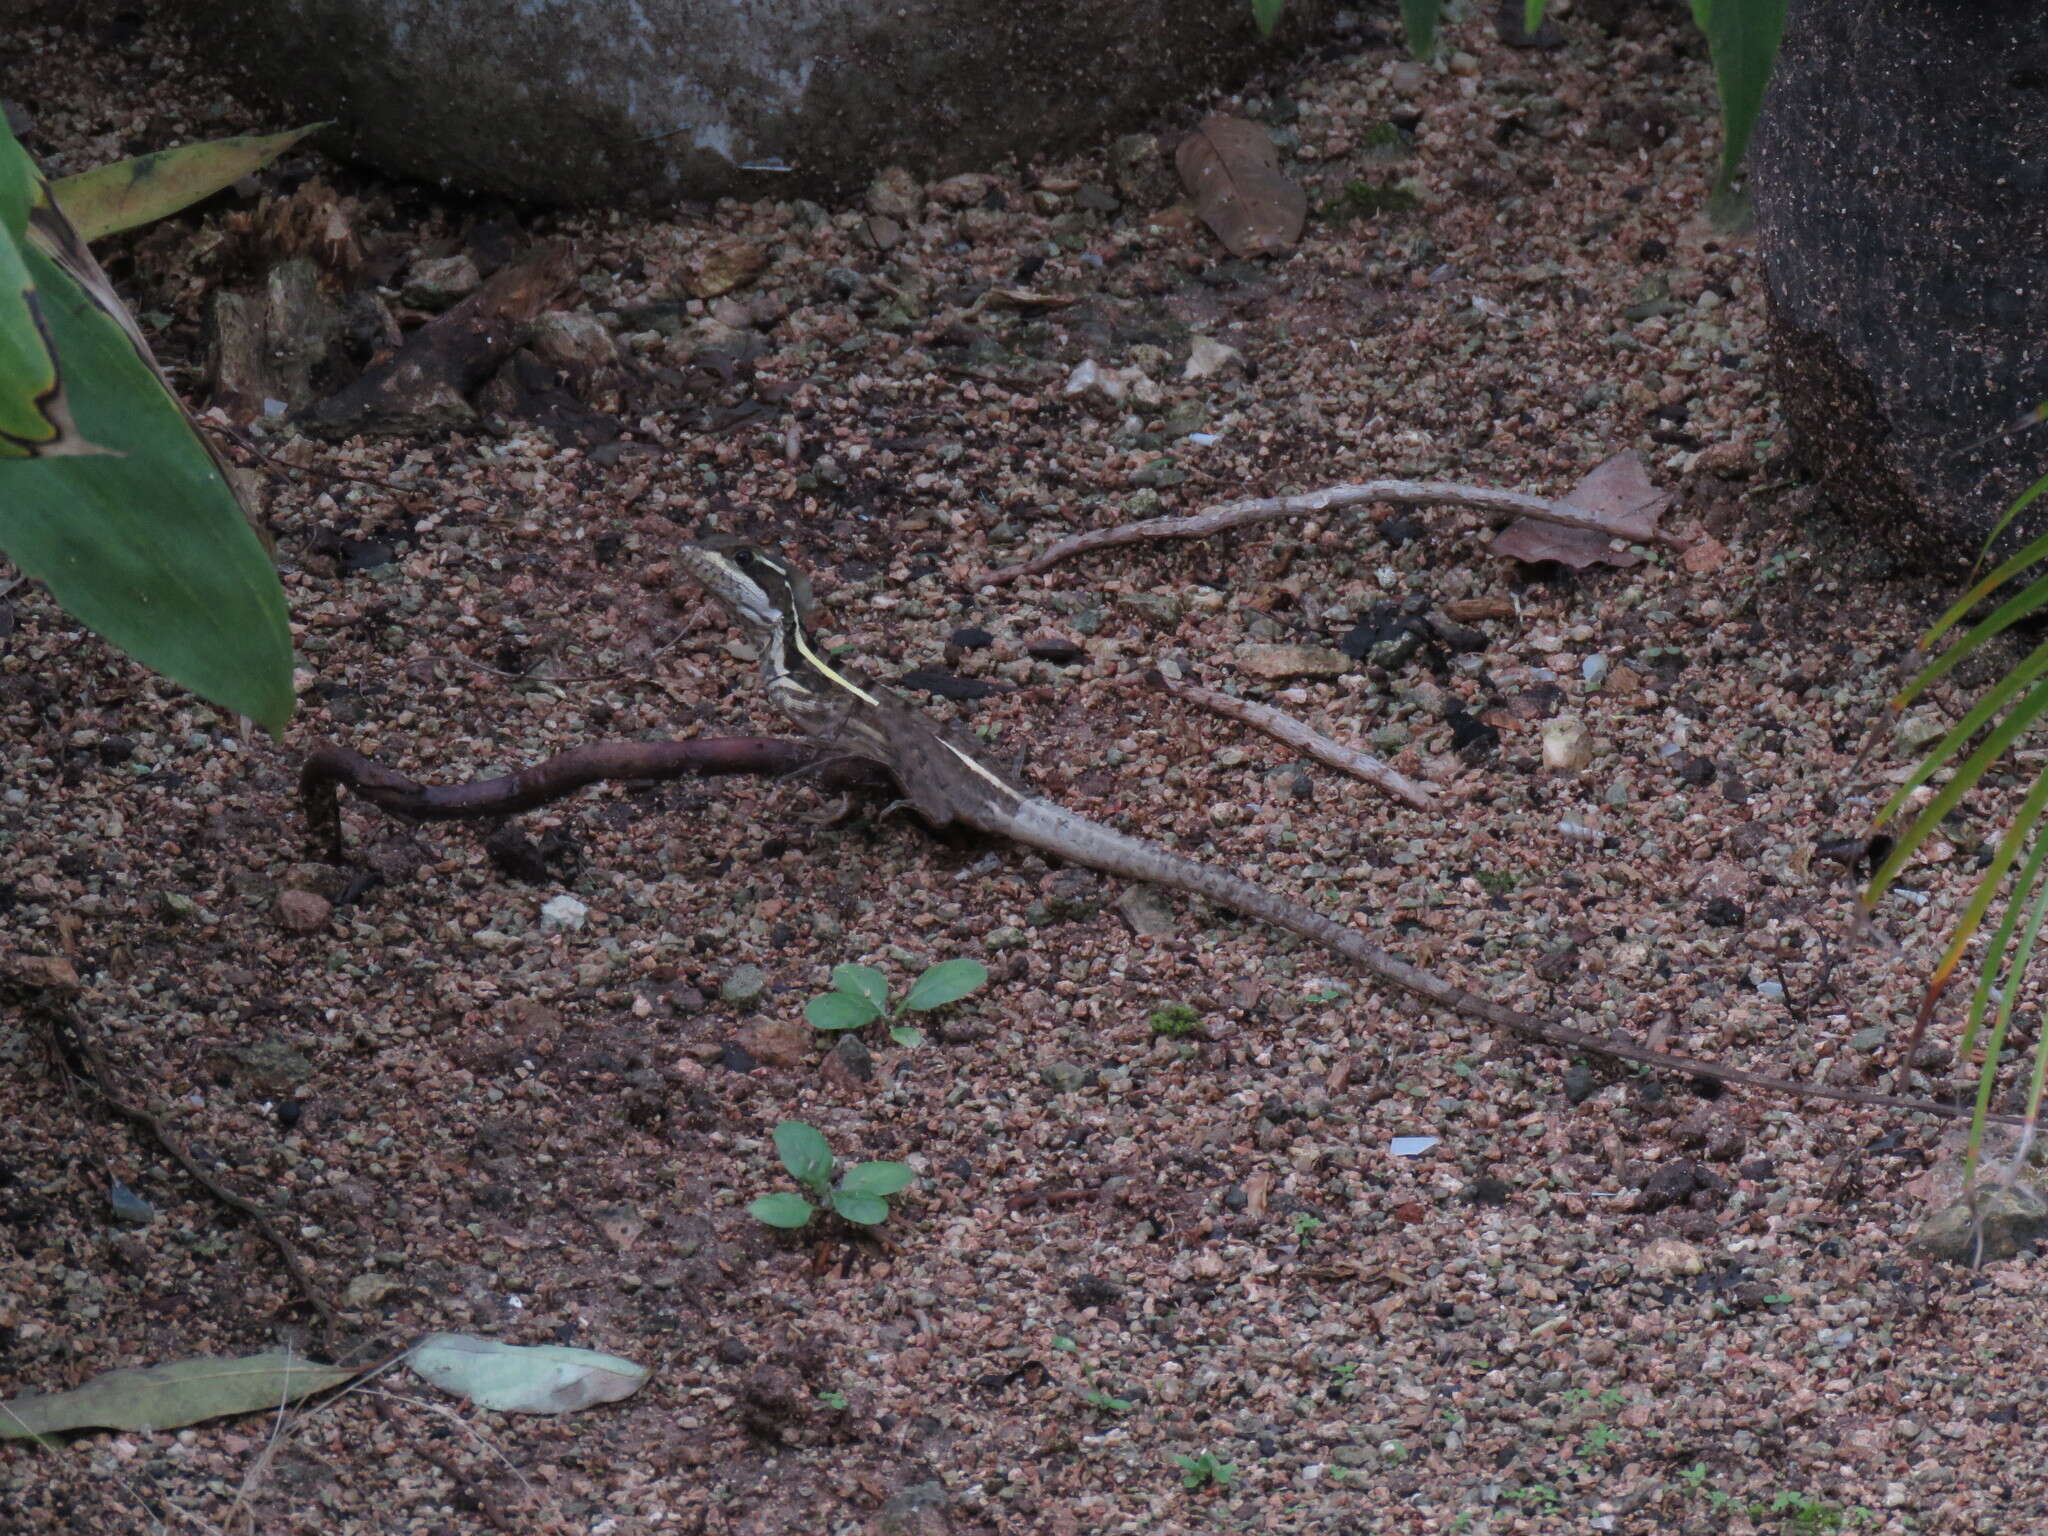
point(1285, 727)
point(1401, 493)
point(74, 1043)
point(328, 765)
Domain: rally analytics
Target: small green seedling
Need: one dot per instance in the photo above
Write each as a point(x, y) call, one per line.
point(1174, 1021)
point(860, 995)
point(1106, 1403)
point(1203, 1470)
point(836, 1401)
point(1306, 1227)
point(860, 1196)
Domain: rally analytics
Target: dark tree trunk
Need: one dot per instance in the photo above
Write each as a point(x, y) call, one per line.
point(1900, 174)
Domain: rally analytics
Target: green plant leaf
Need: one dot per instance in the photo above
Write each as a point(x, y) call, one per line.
point(865, 1210)
point(1532, 14)
point(2021, 605)
point(128, 193)
point(877, 1178)
point(804, 1152)
point(863, 981)
point(147, 544)
point(1419, 19)
point(783, 1210)
point(160, 1397)
point(1266, 15)
point(524, 1378)
point(906, 1034)
point(946, 982)
point(1742, 36)
point(1994, 957)
point(35, 415)
point(1961, 782)
point(840, 1010)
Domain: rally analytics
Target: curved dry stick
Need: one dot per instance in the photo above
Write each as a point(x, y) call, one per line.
point(1284, 727)
point(1244, 514)
point(328, 766)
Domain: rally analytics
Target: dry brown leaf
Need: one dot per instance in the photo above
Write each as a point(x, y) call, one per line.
point(1233, 171)
point(1618, 494)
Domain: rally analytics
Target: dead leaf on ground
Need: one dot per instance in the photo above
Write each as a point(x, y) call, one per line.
point(111, 198)
point(1232, 168)
point(516, 1378)
point(1619, 495)
point(170, 1396)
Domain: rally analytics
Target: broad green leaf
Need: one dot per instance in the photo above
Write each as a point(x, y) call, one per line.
point(840, 1010)
point(1419, 19)
point(946, 982)
point(35, 415)
point(804, 1152)
point(783, 1210)
point(877, 1178)
point(1532, 14)
point(147, 544)
point(867, 1210)
point(524, 1378)
point(1742, 36)
point(111, 198)
point(1266, 15)
point(863, 981)
point(170, 1396)
point(906, 1034)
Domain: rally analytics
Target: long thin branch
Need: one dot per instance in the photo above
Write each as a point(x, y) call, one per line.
point(1284, 727)
point(328, 766)
point(1267, 509)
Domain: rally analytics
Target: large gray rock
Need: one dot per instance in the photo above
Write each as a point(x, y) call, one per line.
point(1900, 174)
point(567, 101)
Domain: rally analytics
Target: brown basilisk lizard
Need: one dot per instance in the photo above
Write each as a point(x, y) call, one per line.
point(945, 782)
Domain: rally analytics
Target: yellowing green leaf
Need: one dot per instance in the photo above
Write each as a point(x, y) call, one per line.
point(170, 1396)
point(35, 416)
point(128, 193)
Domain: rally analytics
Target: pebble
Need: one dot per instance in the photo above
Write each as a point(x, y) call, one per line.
point(1567, 744)
point(563, 914)
point(1063, 1076)
point(303, 911)
point(1208, 356)
point(745, 985)
point(776, 1042)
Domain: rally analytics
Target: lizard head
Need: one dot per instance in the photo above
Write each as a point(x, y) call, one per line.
point(761, 592)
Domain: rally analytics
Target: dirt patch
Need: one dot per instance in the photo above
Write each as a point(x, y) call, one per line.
point(1593, 1302)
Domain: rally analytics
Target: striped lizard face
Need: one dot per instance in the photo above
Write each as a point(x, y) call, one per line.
point(753, 587)
point(770, 599)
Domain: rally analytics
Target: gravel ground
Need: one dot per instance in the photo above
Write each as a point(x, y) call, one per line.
point(1597, 1302)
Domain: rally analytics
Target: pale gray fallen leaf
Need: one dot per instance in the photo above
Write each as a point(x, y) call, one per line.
point(172, 1395)
point(524, 1378)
